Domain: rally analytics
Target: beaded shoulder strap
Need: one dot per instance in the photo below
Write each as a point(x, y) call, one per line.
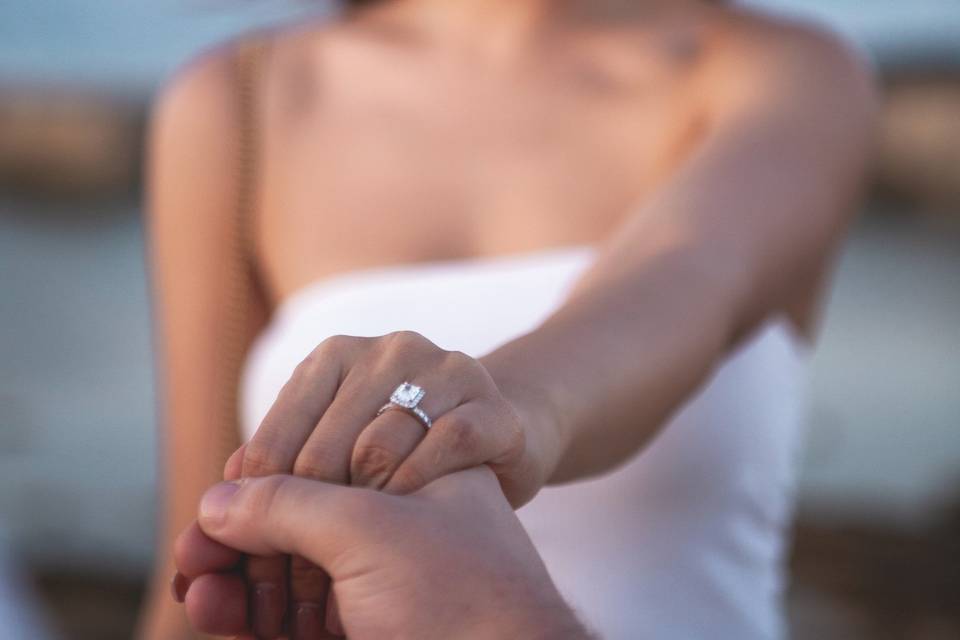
point(243, 283)
point(249, 62)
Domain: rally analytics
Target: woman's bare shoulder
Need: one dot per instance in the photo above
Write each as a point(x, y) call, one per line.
point(751, 51)
point(205, 86)
point(200, 94)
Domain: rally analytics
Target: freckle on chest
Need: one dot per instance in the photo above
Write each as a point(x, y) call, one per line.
point(683, 47)
point(299, 89)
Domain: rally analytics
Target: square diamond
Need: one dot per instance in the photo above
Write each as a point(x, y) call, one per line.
point(407, 395)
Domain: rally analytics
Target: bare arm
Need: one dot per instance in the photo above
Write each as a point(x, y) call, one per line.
point(754, 213)
point(191, 203)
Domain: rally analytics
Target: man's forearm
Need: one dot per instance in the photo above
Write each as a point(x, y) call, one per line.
point(545, 617)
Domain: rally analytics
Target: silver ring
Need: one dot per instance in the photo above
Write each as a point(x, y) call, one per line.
point(407, 396)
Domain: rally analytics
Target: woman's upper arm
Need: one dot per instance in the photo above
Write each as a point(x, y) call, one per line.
point(193, 172)
point(765, 196)
point(192, 193)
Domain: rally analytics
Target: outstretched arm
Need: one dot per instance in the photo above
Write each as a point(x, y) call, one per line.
point(753, 215)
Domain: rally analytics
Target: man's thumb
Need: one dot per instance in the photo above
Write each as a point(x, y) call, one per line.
point(279, 514)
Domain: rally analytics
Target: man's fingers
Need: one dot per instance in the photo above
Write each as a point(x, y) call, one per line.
point(217, 604)
point(273, 449)
point(267, 594)
point(287, 515)
point(195, 553)
point(309, 587)
point(324, 457)
point(276, 448)
point(334, 624)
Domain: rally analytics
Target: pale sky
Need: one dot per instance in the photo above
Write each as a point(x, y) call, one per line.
point(136, 43)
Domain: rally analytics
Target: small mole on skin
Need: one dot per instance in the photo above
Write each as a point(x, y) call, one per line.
point(683, 47)
point(300, 87)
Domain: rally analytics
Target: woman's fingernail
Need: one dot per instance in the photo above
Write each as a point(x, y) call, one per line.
point(179, 586)
point(268, 609)
point(307, 623)
point(214, 504)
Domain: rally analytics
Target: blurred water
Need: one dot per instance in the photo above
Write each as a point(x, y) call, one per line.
point(77, 435)
point(130, 43)
point(77, 421)
point(893, 30)
point(123, 43)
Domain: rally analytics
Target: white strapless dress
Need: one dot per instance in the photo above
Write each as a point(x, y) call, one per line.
point(687, 540)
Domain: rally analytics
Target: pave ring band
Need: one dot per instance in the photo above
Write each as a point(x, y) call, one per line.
point(407, 396)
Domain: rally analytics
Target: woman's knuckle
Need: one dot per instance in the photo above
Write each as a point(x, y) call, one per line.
point(507, 430)
point(515, 436)
point(464, 372)
point(455, 356)
point(260, 458)
point(308, 368)
point(474, 374)
point(311, 465)
point(406, 341)
point(371, 460)
point(460, 361)
point(332, 347)
point(462, 434)
point(409, 478)
point(407, 335)
point(336, 343)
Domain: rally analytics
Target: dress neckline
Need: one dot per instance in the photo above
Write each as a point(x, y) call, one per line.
point(341, 280)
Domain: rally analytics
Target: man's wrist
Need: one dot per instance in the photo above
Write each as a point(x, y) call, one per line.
point(532, 615)
point(554, 622)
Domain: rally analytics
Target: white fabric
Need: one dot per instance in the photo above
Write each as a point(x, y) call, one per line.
point(685, 541)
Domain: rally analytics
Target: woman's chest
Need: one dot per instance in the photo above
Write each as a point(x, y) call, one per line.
point(392, 181)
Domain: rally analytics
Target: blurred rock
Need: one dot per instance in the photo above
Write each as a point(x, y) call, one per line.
point(920, 141)
point(68, 144)
point(875, 582)
point(91, 607)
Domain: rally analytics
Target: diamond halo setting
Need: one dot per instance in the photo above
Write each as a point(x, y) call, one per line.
point(407, 395)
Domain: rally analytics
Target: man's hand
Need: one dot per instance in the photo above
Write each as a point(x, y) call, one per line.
point(449, 561)
point(327, 424)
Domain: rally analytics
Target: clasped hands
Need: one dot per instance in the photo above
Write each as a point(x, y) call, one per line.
point(436, 552)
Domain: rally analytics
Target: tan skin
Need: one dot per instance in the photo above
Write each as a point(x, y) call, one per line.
point(716, 156)
point(470, 581)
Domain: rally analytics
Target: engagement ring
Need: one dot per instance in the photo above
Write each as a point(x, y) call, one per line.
point(407, 396)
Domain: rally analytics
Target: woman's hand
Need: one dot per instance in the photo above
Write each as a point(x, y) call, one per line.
point(324, 423)
point(324, 426)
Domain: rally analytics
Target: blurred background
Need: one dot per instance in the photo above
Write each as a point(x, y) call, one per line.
point(877, 542)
